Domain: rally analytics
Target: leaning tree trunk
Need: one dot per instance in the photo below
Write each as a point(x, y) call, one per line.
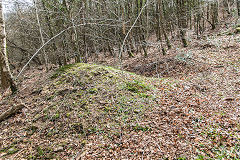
point(6, 77)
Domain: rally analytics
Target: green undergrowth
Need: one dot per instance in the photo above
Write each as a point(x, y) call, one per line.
point(94, 99)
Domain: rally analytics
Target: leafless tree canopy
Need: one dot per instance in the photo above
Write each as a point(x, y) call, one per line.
point(110, 27)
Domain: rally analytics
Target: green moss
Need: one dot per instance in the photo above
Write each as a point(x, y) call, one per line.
point(51, 132)
point(45, 117)
point(62, 70)
point(40, 151)
point(59, 82)
point(31, 157)
point(84, 142)
point(238, 29)
point(144, 95)
point(50, 97)
point(99, 71)
point(107, 109)
point(93, 90)
point(132, 87)
point(12, 150)
point(136, 86)
point(55, 117)
point(141, 128)
point(200, 157)
point(45, 110)
point(68, 114)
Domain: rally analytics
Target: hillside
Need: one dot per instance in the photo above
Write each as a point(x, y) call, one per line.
point(89, 111)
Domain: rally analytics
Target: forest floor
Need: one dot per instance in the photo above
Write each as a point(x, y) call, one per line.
point(189, 110)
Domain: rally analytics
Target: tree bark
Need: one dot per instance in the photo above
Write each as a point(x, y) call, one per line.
point(162, 23)
point(181, 10)
point(6, 76)
point(41, 35)
point(238, 7)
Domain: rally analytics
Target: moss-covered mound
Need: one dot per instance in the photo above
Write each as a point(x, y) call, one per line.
point(79, 101)
point(85, 111)
point(91, 98)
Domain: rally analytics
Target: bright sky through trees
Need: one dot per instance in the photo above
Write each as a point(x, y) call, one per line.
point(8, 4)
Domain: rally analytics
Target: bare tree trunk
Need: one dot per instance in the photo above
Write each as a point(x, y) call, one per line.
point(41, 35)
point(214, 8)
point(74, 40)
point(181, 10)
point(50, 28)
point(6, 77)
point(238, 7)
point(162, 23)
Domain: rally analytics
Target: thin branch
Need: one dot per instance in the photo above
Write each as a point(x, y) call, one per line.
point(41, 49)
point(54, 37)
point(124, 41)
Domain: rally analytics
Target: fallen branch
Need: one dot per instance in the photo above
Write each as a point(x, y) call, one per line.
point(11, 112)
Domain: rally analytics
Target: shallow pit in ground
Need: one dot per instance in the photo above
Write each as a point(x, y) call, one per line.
point(173, 66)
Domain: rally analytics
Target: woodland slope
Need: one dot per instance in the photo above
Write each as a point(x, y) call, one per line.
point(92, 111)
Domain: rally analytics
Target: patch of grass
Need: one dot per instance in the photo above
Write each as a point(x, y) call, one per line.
point(224, 152)
point(238, 30)
point(92, 130)
point(107, 109)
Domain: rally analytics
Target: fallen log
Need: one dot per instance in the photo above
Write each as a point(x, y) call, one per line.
point(11, 112)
